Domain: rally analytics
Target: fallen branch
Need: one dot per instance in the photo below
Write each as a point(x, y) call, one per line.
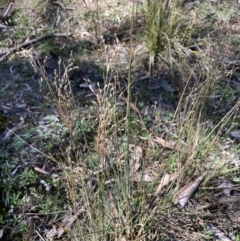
point(35, 40)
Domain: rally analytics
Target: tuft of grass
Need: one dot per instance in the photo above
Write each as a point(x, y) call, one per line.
point(165, 22)
point(99, 183)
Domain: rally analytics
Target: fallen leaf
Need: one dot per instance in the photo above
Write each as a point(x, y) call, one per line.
point(155, 86)
point(235, 134)
point(135, 161)
point(132, 105)
point(227, 200)
point(218, 233)
point(1, 232)
point(168, 144)
point(52, 232)
point(145, 111)
point(21, 105)
point(145, 176)
point(11, 131)
point(29, 88)
point(166, 179)
point(114, 211)
point(18, 227)
point(234, 216)
point(15, 170)
point(46, 185)
point(4, 56)
point(167, 87)
point(149, 174)
point(71, 220)
point(88, 85)
point(7, 107)
point(187, 191)
point(227, 186)
point(202, 207)
point(30, 229)
point(38, 169)
point(143, 138)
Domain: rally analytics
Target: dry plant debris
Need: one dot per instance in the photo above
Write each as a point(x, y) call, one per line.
point(187, 191)
point(119, 123)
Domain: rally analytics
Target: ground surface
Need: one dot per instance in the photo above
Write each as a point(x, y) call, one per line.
point(34, 135)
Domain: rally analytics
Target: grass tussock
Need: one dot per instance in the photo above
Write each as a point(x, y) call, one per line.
point(166, 21)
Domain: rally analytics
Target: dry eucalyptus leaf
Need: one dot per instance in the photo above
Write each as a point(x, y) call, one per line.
point(227, 186)
point(11, 131)
point(5, 107)
point(18, 227)
point(15, 170)
point(114, 211)
point(167, 86)
point(234, 216)
point(88, 85)
point(132, 105)
point(145, 177)
point(187, 191)
point(138, 152)
point(3, 26)
point(149, 174)
point(218, 233)
point(52, 232)
point(155, 86)
point(136, 159)
point(168, 144)
point(202, 207)
point(143, 138)
point(1, 232)
point(71, 220)
point(21, 105)
point(228, 200)
point(166, 179)
point(29, 88)
point(46, 185)
point(145, 110)
point(235, 134)
point(40, 170)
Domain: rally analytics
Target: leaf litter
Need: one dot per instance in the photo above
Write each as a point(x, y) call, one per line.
point(139, 170)
point(187, 191)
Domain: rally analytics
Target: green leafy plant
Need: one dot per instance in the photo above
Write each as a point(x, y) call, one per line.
point(27, 177)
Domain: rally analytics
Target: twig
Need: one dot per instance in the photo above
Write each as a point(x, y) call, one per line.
point(35, 40)
point(7, 11)
point(60, 4)
point(39, 235)
point(30, 231)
